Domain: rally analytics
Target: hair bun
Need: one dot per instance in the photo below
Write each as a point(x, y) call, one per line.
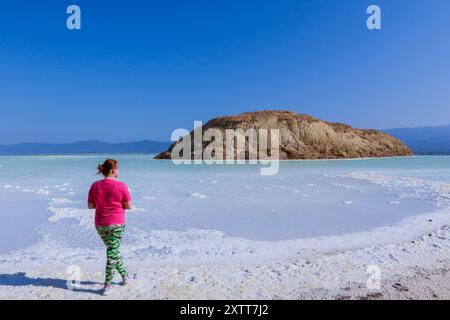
point(107, 166)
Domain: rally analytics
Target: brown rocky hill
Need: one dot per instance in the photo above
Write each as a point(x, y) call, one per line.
point(305, 137)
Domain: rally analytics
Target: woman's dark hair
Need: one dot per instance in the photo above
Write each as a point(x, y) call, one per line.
point(107, 166)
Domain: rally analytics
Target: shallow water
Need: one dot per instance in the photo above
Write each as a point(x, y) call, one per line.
point(305, 199)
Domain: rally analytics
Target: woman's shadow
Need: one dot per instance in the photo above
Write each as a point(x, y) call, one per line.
point(21, 279)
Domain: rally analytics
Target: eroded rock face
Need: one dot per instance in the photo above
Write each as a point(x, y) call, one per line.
point(305, 137)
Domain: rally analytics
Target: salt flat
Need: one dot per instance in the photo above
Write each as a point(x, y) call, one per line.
point(226, 232)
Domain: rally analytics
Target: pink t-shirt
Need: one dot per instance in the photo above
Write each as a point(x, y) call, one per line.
point(108, 195)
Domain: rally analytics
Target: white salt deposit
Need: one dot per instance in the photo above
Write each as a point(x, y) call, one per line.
point(245, 221)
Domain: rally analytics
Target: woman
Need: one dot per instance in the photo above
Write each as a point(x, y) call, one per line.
point(110, 198)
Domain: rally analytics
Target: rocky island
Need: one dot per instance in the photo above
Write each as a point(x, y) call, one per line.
point(305, 137)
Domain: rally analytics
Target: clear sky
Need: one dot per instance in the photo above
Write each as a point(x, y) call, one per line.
point(139, 69)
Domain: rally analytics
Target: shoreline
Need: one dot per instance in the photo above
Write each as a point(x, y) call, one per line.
point(412, 265)
point(413, 257)
point(213, 246)
point(416, 269)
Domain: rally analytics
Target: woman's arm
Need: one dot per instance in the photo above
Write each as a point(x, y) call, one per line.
point(126, 197)
point(91, 198)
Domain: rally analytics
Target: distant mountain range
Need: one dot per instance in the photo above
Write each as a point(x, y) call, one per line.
point(424, 140)
point(83, 147)
point(421, 140)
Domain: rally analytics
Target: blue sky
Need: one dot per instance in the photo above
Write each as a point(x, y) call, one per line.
point(139, 69)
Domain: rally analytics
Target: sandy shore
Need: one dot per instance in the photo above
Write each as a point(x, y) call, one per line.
point(408, 260)
point(415, 269)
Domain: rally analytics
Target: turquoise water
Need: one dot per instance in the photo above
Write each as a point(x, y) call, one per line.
point(305, 199)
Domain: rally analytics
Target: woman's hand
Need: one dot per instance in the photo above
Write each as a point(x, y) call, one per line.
point(91, 205)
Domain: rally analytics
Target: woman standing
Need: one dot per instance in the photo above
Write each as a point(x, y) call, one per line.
point(110, 198)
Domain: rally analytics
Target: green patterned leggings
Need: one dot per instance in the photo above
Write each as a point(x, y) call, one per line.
point(111, 236)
